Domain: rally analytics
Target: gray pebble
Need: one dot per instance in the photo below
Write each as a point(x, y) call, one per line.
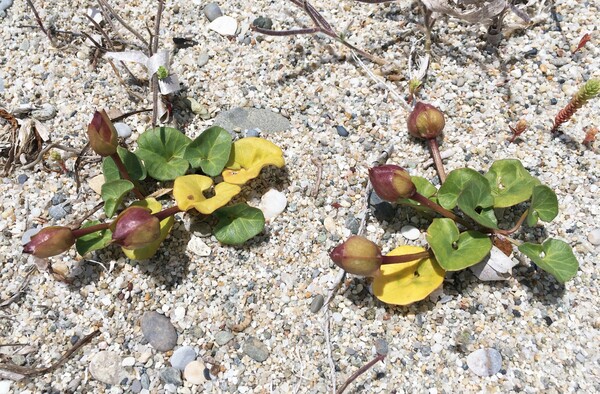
point(342, 132)
point(4, 5)
point(58, 198)
point(22, 179)
point(1, 85)
point(374, 198)
point(594, 237)
point(252, 133)
point(212, 11)
point(171, 376)
point(460, 82)
point(352, 224)
point(252, 118)
point(136, 386)
point(222, 337)
point(256, 350)
point(145, 380)
point(48, 111)
point(381, 346)
point(182, 357)
point(57, 212)
point(159, 331)
point(203, 59)
point(485, 362)
point(105, 367)
point(317, 303)
point(263, 23)
point(385, 212)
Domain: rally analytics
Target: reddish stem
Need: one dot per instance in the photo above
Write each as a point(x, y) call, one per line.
point(434, 148)
point(80, 232)
point(439, 209)
point(167, 212)
point(125, 174)
point(359, 372)
point(516, 226)
point(405, 258)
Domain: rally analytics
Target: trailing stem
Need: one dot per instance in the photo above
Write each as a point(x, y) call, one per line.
point(434, 148)
point(439, 209)
point(125, 175)
point(405, 258)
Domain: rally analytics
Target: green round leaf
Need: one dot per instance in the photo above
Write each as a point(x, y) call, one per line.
point(454, 185)
point(94, 241)
point(113, 193)
point(510, 182)
point(238, 223)
point(210, 151)
point(455, 251)
point(544, 205)
point(162, 150)
point(135, 168)
point(476, 202)
point(553, 256)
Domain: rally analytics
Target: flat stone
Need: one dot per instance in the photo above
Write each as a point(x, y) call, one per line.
point(224, 25)
point(136, 386)
point(594, 237)
point(212, 11)
point(171, 376)
point(222, 337)
point(256, 350)
point(159, 331)
point(203, 59)
point(123, 130)
point(317, 303)
point(106, 367)
point(194, 373)
point(198, 247)
point(251, 118)
point(128, 362)
point(272, 204)
point(5, 386)
point(57, 212)
point(410, 232)
point(182, 357)
point(485, 362)
point(263, 23)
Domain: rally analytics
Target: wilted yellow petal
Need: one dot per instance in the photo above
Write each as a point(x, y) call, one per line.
point(248, 157)
point(224, 192)
point(405, 283)
point(165, 227)
point(188, 190)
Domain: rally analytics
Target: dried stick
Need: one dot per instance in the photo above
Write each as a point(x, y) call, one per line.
point(154, 49)
point(122, 22)
point(20, 290)
point(329, 351)
point(40, 23)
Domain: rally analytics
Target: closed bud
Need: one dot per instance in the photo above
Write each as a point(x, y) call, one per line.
point(357, 256)
point(102, 134)
point(50, 241)
point(425, 121)
point(135, 228)
point(391, 182)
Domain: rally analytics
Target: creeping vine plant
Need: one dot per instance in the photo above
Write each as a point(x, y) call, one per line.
point(165, 154)
point(468, 229)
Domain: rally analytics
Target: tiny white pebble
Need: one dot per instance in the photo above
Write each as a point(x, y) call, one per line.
point(594, 237)
point(410, 232)
point(128, 362)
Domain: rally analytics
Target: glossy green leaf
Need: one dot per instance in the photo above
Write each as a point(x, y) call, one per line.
point(553, 256)
point(135, 168)
point(424, 187)
point(210, 151)
point(162, 150)
point(544, 205)
point(454, 185)
point(510, 182)
point(476, 202)
point(454, 251)
point(94, 241)
point(238, 223)
point(113, 193)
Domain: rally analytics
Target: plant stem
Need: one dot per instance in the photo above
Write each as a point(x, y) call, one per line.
point(405, 258)
point(153, 50)
point(439, 209)
point(167, 212)
point(80, 232)
point(123, 171)
point(434, 148)
point(359, 372)
point(516, 226)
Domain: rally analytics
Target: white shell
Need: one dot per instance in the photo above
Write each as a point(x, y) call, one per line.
point(272, 204)
point(224, 25)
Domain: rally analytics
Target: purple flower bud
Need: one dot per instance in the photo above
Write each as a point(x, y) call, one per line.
point(425, 121)
point(50, 241)
point(135, 228)
point(357, 256)
point(391, 182)
point(102, 134)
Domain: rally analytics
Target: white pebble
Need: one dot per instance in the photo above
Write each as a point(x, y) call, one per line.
point(128, 362)
point(179, 313)
point(410, 232)
point(594, 237)
point(194, 372)
point(123, 130)
point(224, 25)
point(5, 386)
point(198, 247)
point(485, 362)
point(272, 204)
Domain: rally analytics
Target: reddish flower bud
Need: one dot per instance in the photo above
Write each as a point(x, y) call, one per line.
point(425, 121)
point(357, 256)
point(50, 241)
point(391, 182)
point(102, 134)
point(135, 228)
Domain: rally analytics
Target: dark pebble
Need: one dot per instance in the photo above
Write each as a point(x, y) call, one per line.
point(212, 11)
point(22, 179)
point(317, 303)
point(58, 198)
point(553, 101)
point(57, 212)
point(74, 339)
point(206, 374)
point(342, 132)
point(136, 386)
point(381, 346)
point(531, 53)
point(145, 380)
point(352, 224)
point(159, 331)
point(263, 23)
point(171, 375)
point(468, 156)
point(516, 313)
point(548, 320)
point(380, 375)
point(385, 212)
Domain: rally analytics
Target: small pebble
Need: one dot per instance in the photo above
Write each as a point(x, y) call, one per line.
point(342, 132)
point(57, 212)
point(256, 350)
point(105, 367)
point(171, 376)
point(485, 362)
point(197, 246)
point(46, 112)
point(553, 101)
point(22, 178)
point(158, 331)
point(594, 237)
point(410, 232)
point(224, 25)
point(222, 337)
point(128, 362)
point(263, 23)
point(136, 386)
point(28, 234)
point(381, 346)
point(203, 59)
point(58, 198)
point(317, 303)
point(123, 130)
point(5, 386)
point(212, 11)
point(194, 372)
point(252, 133)
point(272, 204)
point(385, 212)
